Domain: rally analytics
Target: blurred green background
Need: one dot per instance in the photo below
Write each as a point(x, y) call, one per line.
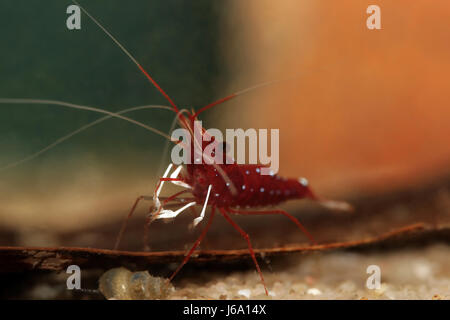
point(96, 174)
point(176, 41)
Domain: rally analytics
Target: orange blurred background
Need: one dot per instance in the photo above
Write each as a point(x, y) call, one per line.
point(369, 110)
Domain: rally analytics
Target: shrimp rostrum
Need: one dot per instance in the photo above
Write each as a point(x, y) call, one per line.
point(227, 187)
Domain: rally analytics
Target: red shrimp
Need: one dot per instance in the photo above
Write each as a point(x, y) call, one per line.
point(229, 188)
point(226, 187)
point(212, 185)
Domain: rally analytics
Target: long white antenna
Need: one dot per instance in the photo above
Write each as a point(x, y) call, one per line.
point(129, 56)
point(108, 34)
point(80, 107)
point(73, 133)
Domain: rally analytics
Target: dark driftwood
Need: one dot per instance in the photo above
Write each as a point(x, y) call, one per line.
point(16, 259)
point(415, 216)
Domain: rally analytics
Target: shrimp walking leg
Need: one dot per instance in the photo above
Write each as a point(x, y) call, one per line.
point(278, 211)
point(202, 213)
point(125, 222)
point(196, 244)
point(250, 247)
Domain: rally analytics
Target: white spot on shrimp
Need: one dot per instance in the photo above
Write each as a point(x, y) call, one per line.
point(303, 181)
point(243, 187)
point(217, 194)
point(228, 184)
point(251, 190)
point(261, 190)
point(258, 170)
point(247, 172)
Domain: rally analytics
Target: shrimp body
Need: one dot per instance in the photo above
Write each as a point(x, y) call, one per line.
point(253, 188)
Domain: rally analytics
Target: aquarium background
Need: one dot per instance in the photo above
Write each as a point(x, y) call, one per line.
point(361, 112)
point(177, 42)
